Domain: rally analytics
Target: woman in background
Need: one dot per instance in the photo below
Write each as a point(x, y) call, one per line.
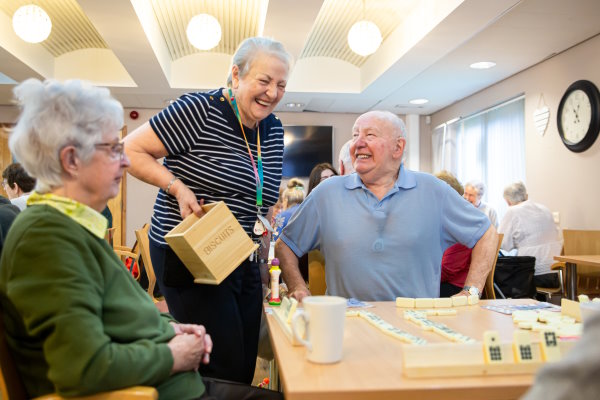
point(222, 145)
point(292, 196)
point(457, 258)
point(318, 174)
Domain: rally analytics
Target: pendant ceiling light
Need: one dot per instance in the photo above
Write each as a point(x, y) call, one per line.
point(204, 31)
point(31, 23)
point(364, 37)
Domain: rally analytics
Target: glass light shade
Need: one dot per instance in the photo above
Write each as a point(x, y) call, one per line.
point(204, 31)
point(364, 38)
point(32, 24)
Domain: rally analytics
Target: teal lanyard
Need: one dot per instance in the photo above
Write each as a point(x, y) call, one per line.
point(258, 171)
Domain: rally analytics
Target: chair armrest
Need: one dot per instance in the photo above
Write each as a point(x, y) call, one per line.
point(558, 265)
point(561, 267)
point(132, 393)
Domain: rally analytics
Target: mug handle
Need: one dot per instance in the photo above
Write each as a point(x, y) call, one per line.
point(306, 319)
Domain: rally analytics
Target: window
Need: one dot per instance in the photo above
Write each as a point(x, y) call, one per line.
point(488, 146)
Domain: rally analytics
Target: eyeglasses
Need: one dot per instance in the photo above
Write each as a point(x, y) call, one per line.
point(116, 150)
point(4, 184)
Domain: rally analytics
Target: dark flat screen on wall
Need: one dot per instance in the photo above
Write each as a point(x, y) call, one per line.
point(305, 147)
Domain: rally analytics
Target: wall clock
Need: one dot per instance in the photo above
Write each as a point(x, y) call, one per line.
point(578, 116)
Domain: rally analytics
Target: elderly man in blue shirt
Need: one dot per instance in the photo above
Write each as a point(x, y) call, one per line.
point(384, 229)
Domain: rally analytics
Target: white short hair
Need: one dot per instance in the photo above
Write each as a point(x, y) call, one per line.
point(250, 48)
point(345, 158)
point(393, 119)
point(478, 186)
point(515, 193)
point(57, 114)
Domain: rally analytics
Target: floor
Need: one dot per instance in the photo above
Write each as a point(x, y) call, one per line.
point(261, 372)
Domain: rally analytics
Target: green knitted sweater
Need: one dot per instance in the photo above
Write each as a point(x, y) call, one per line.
point(76, 321)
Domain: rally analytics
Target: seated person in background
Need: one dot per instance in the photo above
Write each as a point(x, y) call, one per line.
point(474, 192)
point(318, 174)
point(278, 207)
point(292, 196)
point(17, 184)
point(8, 213)
point(76, 321)
point(529, 228)
point(456, 258)
point(384, 229)
point(345, 160)
point(108, 215)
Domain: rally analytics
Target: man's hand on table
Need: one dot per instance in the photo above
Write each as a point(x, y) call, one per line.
point(299, 293)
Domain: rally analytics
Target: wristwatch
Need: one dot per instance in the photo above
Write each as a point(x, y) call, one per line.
point(472, 290)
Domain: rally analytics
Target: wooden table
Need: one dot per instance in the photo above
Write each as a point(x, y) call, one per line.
point(571, 270)
point(372, 364)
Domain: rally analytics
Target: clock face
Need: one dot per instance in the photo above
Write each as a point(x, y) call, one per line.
point(576, 116)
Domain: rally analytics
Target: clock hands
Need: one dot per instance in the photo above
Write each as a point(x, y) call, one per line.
point(576, 114)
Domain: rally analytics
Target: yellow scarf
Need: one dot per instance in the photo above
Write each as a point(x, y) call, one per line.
point(85, 216)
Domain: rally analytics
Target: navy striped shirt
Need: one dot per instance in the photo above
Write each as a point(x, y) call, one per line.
point(206, 150)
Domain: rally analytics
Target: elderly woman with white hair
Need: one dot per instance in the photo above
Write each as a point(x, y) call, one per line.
point(221, 145)
point(474, 192)
point(529, 228)
point(76, 322)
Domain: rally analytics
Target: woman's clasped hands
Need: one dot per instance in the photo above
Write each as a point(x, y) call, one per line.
point(190, 346)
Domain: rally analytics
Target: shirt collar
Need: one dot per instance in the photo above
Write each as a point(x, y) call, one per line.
point(406, 180)
point(85, 216)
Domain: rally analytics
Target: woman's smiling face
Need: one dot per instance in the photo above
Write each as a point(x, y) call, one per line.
point(259, 91)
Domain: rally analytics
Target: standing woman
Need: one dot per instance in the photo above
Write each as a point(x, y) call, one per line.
point(222, 145)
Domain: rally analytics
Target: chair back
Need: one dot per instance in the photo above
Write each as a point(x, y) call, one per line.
point(124, 253)
point(583, 242)
point(110, 234)
point(144, 246)
point(488, 289)
point(316, 273)
point(11, 385)
point(580, 242)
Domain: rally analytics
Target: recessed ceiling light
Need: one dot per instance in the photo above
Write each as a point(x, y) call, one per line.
point(483, 65)
point(418, 101)
point(294, 105)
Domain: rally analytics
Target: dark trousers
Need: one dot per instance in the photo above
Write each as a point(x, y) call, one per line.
point(221, 390)
point(546, 280)
point(230, 312)
point(448, 289)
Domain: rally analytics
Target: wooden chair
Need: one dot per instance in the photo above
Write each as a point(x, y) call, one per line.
point(316, 273)
point(488, 289)
point(12, 388)
point(110, 234)
point(126, 252)
point(144, 245)
point(581, 242)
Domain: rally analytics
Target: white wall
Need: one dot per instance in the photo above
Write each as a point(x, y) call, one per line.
point(8, 114)
point(564, 181)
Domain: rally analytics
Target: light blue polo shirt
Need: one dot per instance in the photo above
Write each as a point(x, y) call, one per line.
point(379, 250)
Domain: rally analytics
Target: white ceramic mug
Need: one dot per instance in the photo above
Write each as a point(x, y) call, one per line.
point(324, 317)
